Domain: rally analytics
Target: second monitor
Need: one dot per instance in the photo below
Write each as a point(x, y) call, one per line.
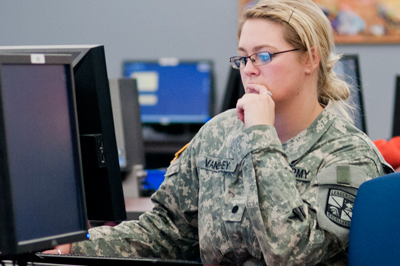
point(173, 91)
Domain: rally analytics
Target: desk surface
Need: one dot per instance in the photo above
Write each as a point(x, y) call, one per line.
point(138, 204)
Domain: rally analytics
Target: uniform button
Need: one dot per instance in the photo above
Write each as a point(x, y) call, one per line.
point(235, 209)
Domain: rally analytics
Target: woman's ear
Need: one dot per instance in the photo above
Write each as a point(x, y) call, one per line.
point(312, 62)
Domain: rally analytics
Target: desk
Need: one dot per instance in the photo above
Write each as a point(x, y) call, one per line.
point(136, 206)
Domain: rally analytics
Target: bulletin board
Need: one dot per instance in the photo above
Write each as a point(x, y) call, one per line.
point(358, 21)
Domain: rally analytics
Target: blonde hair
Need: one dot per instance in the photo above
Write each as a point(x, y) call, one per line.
point(305, 27)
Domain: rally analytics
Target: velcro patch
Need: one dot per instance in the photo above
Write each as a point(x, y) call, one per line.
point(339, 207)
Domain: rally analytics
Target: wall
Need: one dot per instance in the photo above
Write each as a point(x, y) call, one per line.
point(379, 65)
point(187, 29)
point(135, 29)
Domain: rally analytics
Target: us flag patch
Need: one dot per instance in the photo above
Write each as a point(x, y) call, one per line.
point(339, 208)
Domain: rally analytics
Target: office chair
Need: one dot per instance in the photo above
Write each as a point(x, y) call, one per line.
point(375, 227)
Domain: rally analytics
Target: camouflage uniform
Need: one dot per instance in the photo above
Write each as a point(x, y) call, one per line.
point(238, 196)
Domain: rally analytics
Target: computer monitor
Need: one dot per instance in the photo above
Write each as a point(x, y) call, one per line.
point(349, 70)
point(234, 90)
point(102, 176)
point(42, 200)
point(173, 91)
point(128, 126)
point(396, 110)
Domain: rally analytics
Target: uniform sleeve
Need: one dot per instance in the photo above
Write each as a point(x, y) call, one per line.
point(168, 231)
point(293, 228)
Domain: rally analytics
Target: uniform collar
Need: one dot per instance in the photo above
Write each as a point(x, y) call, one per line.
point(300, 144)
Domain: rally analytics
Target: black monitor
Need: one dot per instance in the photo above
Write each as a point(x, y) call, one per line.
point(234, 90)
point(128, 126)
point(102, 176)
point(173, 91)
point(347, 68)
point(42, 200)
point(396, 110)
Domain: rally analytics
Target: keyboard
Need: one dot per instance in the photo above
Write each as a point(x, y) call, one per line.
point(67, 259)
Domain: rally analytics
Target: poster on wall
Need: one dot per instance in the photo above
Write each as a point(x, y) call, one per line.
point(358, 21)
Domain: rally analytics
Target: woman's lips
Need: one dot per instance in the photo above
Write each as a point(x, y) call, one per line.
point(250, 90)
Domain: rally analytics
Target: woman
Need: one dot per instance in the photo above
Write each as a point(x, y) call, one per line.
point(272, 182)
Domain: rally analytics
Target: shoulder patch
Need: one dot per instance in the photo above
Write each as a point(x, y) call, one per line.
point(179, 152)
point(339, 207)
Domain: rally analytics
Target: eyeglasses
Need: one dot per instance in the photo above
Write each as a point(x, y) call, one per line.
point(257, 59)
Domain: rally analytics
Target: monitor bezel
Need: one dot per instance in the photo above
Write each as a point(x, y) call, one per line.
point(8, 237)
point(396, 108)
point(112, 208)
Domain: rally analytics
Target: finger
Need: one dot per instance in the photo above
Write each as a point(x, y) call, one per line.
point(264, 91)
point(268, 93)
point(64, 249)
point(51, 251)
point(254, 109)
point(60, 249)
point(240, 110)
point(257, 89)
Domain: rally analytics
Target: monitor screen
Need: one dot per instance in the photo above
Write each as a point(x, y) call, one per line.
point(40, 159)
point(348, 69)
point(102, 175)
point(173, 91)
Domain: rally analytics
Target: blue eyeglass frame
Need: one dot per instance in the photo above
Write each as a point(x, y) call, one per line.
point(242, 60)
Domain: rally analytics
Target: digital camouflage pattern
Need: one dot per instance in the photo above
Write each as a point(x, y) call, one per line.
point(238, 196)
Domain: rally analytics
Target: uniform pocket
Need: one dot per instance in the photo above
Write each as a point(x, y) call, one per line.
point(213, 172)
point(212, 233)
point(234, 209)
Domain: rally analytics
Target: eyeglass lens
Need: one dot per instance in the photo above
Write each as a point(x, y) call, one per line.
point(257, 59)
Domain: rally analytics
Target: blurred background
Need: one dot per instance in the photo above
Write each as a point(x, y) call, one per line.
point(184, 29)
